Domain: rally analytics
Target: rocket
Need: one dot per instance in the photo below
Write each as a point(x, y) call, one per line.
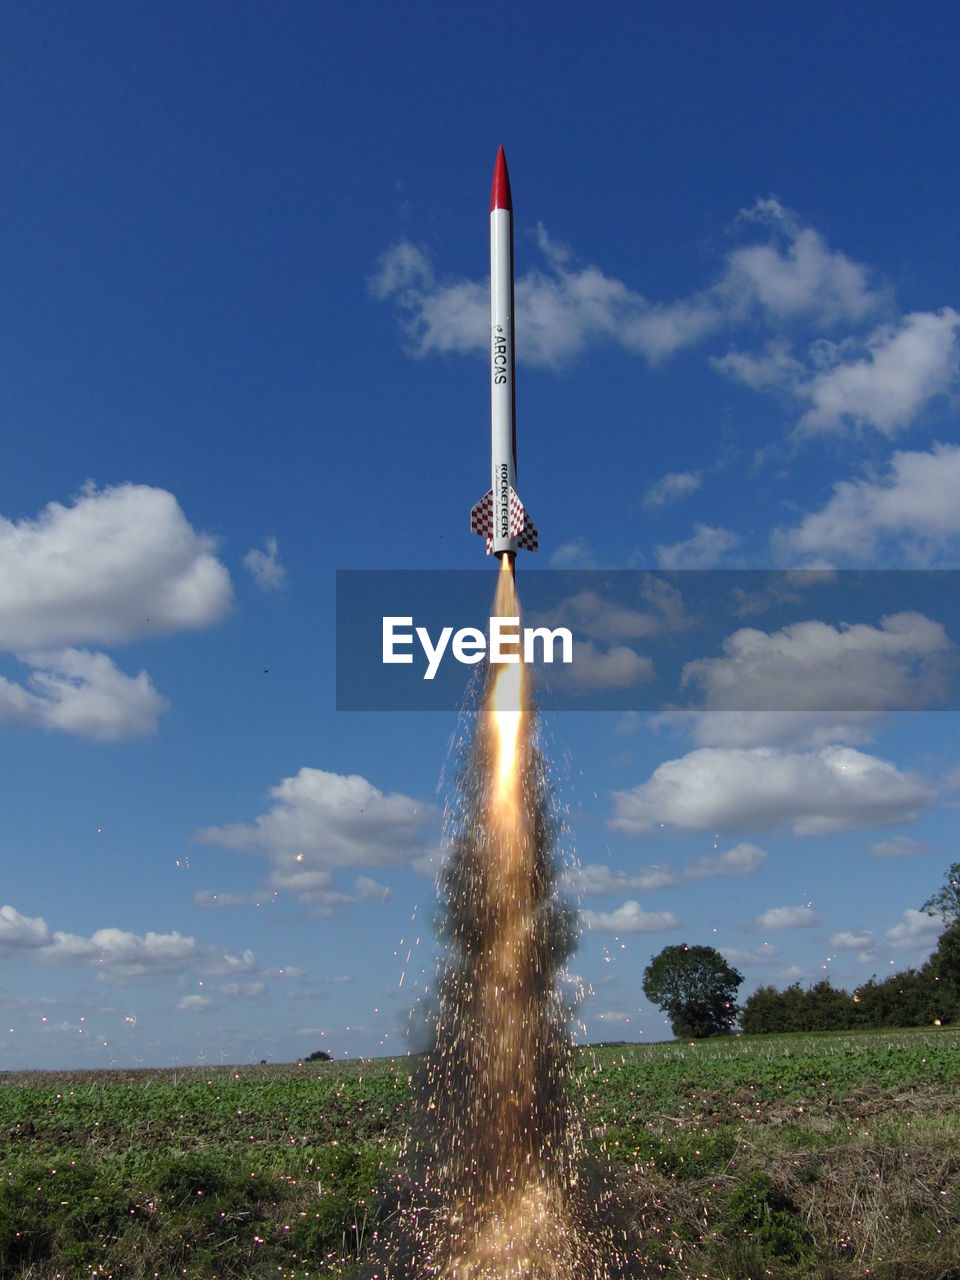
point(499, 516)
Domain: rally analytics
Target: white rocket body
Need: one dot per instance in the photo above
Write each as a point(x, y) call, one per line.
point(500, 516)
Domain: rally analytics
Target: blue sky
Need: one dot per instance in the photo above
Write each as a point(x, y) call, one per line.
point(244, 263)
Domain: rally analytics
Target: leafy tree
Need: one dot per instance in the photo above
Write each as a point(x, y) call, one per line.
point(942, 972)
point(696, 988)
point(828, 1009)
point(763, 1013)
point(946, 901)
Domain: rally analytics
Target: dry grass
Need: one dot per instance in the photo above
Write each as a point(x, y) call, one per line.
point(873, 1183)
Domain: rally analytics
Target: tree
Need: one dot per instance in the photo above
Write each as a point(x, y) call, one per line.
point(763, 1013)
point(946, 901)
point(696, 988)
point(942, 971)
point(828, 1009)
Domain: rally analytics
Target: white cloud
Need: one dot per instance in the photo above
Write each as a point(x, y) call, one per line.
point(813, 665)
point(365, 887)
point(706, 546)
point(916, 929)
point(321, 822)
point(758, 958)
point(119, 563)
point(82, 693)
point(618, 667)
point(915, 501)
point(779, 588)
point(901, 370)
point(265, 567)
point(672, 487)
point(802, 917)
point(576, 554)
point(899, 847)
point(775, 368)
point(852, 940)
point(128, 954)
point(775, 728)
point(795, 274)
point(589, 613)
point(242, 990)
point(738, 861)
point(597, 880)
point(787, 274)
point(194, 1004)
point(630, 918)
point(19, 932)
point(760, 788)
point(210, 898)
point(118, 953)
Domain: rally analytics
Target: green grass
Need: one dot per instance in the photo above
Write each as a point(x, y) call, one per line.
point(828, 1156)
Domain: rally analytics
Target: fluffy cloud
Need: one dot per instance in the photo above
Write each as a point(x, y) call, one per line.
point(322, 822)
point(589, 613)
point(118, 953)
point(902, 368)
point(916, 929)
point(852, 940)
point(899, 847)
point(759, 958)
point(630, 918)
point(575, 554)
point(596, 880)
point(802, 917)
point(119, 563)
point(787, 274)
point(265, 567)
point(915, 501)
point(883, 382)
point(194, 1004)
point(776, 367)
point(672, 487)
point(774, 728)
point(19, 932)
point(612, 663)
point(82, 693)
point(796, 274)
point(338, 820)
point(706, 546)
point(815, 666)
point(618, 667)
point(738, 861)
point(728, 789)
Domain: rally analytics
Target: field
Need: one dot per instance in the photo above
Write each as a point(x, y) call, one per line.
point(826, 1156)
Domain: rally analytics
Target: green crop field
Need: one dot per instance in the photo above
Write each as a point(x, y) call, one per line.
point(829, 1156)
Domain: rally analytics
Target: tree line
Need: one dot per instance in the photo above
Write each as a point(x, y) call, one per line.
point(697, 988)
point(920, 997)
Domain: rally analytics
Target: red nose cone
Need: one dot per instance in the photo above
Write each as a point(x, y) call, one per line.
point(500, 197)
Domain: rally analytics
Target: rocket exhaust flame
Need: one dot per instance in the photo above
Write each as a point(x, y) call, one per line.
point(508, 692)
point(493, 1190)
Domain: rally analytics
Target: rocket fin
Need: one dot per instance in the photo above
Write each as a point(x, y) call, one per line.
point(481, 519)
point(521, 526)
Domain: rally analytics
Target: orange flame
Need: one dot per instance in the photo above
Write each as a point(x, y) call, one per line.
point(507, 696)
